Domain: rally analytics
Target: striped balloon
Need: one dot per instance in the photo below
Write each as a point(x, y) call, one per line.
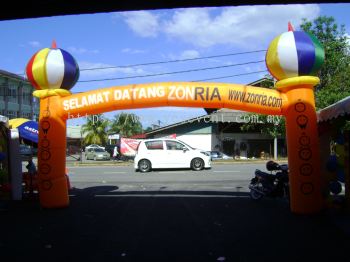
point(52, 68)
point(293, 54)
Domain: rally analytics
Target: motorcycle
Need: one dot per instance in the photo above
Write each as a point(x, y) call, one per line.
point(273, 184)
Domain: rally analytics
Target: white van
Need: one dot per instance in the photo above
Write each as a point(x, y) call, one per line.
point(169, 153)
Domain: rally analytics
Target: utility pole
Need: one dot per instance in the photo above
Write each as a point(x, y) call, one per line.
point(275, 155)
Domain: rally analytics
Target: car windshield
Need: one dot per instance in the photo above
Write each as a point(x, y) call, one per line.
point(99, 150)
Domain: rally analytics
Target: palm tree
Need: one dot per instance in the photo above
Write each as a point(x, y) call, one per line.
point(126, 124)
point(95, 130)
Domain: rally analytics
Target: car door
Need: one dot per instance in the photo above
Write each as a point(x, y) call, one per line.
point(177, 154)
point(155, 153)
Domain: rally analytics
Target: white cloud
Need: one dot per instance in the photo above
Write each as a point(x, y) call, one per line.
point(34, 43)
point(206, 27)
point(186, 54)
point(133, 51)
point(243, 25)
point(143, 23)
point(189, 54)
point(81, 50)
point(108, 72)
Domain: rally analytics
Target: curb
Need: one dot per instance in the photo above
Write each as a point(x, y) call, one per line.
point(216, 162)
point(98, 164)
point(224, 162)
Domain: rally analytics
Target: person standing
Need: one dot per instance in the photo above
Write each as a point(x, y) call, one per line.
point(31, 167)
point(115, 153)
point(32, 175)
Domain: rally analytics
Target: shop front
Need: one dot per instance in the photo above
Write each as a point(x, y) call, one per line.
point(4, 161)
point(334, 137)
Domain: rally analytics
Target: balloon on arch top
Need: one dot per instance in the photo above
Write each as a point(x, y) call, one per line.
point(293, 54)
point(52, 68)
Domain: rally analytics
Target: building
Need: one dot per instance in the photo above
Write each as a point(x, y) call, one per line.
point(16, 97)
point(221, 131)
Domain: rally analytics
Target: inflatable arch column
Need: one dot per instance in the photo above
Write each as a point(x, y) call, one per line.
point(302, 144)
point(53, 187)
point(52, 72)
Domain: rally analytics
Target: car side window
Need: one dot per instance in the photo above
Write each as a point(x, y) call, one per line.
point(154, 145)
point(173, 145)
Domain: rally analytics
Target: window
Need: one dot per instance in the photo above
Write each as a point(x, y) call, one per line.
point(2, 91)
point(27, 115)
point(26, 96)
point(173, 145)
point(12, 93)
point(154, 145)
point(11, 114)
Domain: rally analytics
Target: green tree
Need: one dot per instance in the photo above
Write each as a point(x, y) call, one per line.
point(95, 130)
point(126, 124)
point(148, 129)
point(334, 74)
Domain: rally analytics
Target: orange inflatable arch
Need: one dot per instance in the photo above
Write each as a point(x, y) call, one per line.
point(293, 98)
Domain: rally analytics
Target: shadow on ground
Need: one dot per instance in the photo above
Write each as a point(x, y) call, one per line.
point(102, 224)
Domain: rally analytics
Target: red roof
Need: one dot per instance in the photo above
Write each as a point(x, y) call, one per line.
point(138, 136)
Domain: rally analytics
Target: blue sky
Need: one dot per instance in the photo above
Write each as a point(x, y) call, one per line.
point(129, 38)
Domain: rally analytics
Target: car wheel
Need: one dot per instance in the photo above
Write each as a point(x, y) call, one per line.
point(145, 166)
point(197, 164)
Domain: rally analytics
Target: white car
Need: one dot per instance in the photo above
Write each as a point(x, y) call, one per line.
point(169, 153)
point(93, 146)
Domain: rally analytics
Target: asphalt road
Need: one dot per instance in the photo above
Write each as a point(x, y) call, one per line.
point(232, 177)
point(116, 214)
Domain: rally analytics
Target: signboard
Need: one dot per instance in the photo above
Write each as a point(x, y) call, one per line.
point(114, 136)
point(128, 146)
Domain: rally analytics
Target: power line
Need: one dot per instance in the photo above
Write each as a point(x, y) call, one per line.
point(201, 80)
point(166, 62)
point(172, 61)
point(172, 73)
point(221, 77)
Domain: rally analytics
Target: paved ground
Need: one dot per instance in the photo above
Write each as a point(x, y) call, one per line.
point(103, 225)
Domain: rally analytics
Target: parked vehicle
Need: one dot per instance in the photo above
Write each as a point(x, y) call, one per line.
point(274, 184)
point(169, 153)
point(97, 154)
point(26, 150)
point(219, 155)
point(94, 146)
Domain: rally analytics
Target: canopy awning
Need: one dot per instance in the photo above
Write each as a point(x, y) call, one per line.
point(27, 129)
point(338, 109)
